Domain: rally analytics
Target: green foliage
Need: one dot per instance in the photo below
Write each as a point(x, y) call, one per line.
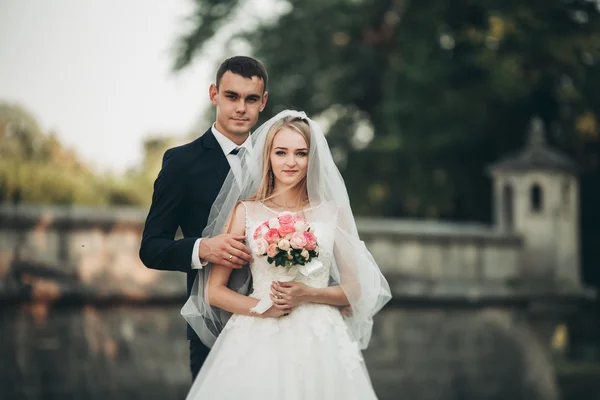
point(35, 168)
point(281, 258)
point(445, 88)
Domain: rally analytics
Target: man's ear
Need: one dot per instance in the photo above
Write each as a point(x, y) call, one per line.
point(264, 101)
point(212, 93)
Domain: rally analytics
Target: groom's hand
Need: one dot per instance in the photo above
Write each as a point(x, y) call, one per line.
point(225, 249)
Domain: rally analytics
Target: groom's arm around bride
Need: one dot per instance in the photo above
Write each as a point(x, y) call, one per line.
point(192, 175)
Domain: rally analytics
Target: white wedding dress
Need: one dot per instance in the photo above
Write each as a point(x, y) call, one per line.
point(306, 355)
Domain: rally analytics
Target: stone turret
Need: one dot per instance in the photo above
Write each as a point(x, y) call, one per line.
point(536, 195)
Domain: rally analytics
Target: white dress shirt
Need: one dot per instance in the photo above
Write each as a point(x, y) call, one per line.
point(236, 167)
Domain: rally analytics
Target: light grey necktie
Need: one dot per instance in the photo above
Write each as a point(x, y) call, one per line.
point(240, 152)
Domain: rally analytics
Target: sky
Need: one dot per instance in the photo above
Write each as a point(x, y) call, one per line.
point(98, 73)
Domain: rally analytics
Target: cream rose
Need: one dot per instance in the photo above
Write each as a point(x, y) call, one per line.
point(284, 244)
point(274, 223)
point(301, 225)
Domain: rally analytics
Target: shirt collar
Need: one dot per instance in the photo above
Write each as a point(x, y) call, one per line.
point(227, 145)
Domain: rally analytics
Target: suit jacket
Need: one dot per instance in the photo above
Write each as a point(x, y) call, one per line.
point(188, 183)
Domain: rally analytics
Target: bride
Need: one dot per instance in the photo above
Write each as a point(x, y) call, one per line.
point(314, 285)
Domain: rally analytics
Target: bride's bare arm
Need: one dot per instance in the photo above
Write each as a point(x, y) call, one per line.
point(219, 295)
point(293, 293)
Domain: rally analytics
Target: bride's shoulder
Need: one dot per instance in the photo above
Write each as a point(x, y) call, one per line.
point(249, 204)
point(252, 207)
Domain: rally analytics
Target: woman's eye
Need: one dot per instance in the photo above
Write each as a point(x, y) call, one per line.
point(280, 153)
point(302, 154)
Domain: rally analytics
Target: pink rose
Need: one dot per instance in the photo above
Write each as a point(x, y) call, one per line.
point(286, 231)
point(260, 246)
point(284, 244)
point(286, 219)
point(311, 241)
point(298, 241)
point(272, 250)
point(261, 230)
point(305, 254)
point(272, 235)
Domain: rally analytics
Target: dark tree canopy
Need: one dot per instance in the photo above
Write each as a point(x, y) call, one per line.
point(442, 88)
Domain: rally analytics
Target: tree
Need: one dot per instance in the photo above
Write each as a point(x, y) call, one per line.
point(35, 168)
point(434, 90)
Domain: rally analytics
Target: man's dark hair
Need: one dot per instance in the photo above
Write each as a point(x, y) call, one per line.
point(244, 66)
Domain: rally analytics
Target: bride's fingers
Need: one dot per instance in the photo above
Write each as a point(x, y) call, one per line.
point(277, 299)
point(282, 291)
point(280, 301)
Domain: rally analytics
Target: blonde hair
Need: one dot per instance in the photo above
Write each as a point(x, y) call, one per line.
point(266, 189)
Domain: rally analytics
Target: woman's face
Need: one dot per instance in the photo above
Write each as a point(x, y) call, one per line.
point(289, 157)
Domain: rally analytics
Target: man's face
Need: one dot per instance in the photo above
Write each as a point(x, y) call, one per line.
point(238, 100)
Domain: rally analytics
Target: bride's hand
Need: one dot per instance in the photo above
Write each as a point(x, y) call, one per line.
point(289, 294)
point(276, 311)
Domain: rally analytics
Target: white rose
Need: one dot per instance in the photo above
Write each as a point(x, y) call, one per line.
point(301, 226)
point(305, 254)
point(274, 223)
point(260, 247)
point(284, 244)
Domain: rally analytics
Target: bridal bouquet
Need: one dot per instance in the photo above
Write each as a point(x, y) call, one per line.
point(286, 240)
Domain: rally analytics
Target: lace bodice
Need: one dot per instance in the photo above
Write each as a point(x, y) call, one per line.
point(322, 221)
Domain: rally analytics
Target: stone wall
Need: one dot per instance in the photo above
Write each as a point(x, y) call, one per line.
point(442, 251)
point(81, 317)
point(98, 249)
point(140, 352)
point(88, 352)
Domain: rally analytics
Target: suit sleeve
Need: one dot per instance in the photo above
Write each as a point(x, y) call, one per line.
point(159, 249)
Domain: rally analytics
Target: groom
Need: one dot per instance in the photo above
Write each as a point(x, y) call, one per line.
point(191, 178)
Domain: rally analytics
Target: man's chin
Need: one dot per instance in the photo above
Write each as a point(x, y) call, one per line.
point(240, 129)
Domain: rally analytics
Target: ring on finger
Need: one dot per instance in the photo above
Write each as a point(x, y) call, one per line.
point(230, 257)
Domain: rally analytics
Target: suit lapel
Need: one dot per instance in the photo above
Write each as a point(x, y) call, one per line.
point(215, 156)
